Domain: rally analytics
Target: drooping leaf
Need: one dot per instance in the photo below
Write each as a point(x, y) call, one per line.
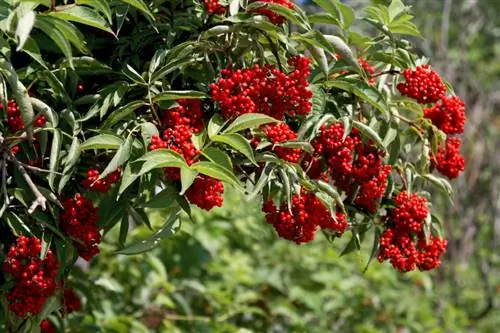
point(238, 143)
point(216, 171)
point(249, 120)
point(166, 231)
point(83, 15)
point(102, 141)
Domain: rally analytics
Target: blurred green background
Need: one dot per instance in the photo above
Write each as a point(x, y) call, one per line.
point(227, 271)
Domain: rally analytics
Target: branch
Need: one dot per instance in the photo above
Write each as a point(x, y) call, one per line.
point(40, 200)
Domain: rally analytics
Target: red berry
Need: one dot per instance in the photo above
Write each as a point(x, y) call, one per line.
point(93, 183)
point(72, 301)
point(46, 326)
point(273, 17)
point(214, 7)
point(80, 88)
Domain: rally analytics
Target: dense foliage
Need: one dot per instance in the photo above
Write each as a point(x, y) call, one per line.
point(172, 102)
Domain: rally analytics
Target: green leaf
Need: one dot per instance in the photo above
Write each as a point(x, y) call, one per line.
point(88, 65)
point(123, 230)
point(83, 15)
point(187, 178)
point(442, 184)
point(216, 171)
point(102, 6)
point(160, 158)
point(214, 125)
point(179, 94)
point(122, 155)
point(16, 224)
point(265, 179)
point(166, 231)
point(396, 8)
point(132, 74)
point(290, 14)
point(329, 6)
point(218, 156)
point(102, 141)
point(343, 49)
point(121, 113)
point(390, 136)
point(48, 26)
point(162, 200)
point(305, 146)
point(156, 61)
point(141, 5)
point(31, 48)
point(318, 55)
point(249, 120)
point(55, 152)
point(324, 18)
point(170, 67)
point(47, 111)
point(332, 192)
point(148, 130)
point(73, 155)
point(362, 90)
point(238, 143)
point(234, 7)
point(20, 94)
point(348, 15)
point(24, 27)
point(369, 133)
point(353, 245)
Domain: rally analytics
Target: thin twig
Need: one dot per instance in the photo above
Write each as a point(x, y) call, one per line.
point(390, 71)
point(37, 169)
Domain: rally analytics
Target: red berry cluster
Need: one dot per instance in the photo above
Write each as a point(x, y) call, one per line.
point(46, 326)
point(273, 17)
point(72, 302)
point(187, 113)
point(448, 115)
point(355, 167)
point(180, 123)
point(14, 119)
point(34, 278)
point(448, 161)
point(300, 223)
point(281, 132)
point(214, 7)
point(403, 243)
point(422, 84)
point(94, 184)
point(79, 221)
point(264, 90)
point(205, 192)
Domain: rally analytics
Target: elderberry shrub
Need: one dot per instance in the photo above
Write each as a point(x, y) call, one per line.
point(179, 101)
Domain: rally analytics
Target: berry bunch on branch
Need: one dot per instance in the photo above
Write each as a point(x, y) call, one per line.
point(348, 138)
